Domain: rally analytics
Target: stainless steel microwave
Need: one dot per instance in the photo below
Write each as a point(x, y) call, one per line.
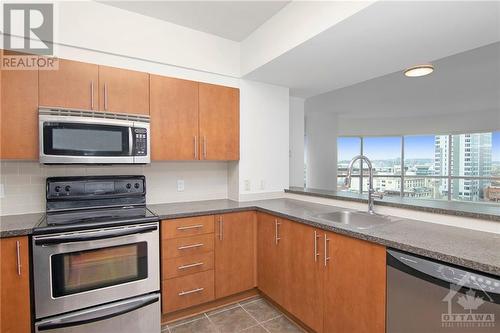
point(69, 136)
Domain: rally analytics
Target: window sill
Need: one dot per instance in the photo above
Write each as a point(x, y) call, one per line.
point(485, 211)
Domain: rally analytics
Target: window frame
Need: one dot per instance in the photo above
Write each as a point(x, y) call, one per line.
point(449, 177)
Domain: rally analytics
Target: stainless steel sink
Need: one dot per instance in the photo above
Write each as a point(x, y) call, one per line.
point(358, 220)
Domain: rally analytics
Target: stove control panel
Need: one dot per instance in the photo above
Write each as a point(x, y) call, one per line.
point(95, 187)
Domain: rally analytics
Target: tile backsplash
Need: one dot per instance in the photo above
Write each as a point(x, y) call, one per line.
point(22, 184)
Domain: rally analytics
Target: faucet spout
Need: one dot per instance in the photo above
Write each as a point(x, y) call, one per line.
point(371, 191)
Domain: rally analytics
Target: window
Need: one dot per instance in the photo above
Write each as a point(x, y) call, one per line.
point(462, 167)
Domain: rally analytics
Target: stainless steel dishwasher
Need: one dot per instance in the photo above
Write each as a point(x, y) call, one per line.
point(428, 296)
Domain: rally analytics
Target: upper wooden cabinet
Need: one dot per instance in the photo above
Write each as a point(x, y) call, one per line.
point(355, 285)
point(19, 114)
point(123, 91)
point(174, 119)
point(15, 316)
point(235, 253)
point(73, 85)
point(219, 118)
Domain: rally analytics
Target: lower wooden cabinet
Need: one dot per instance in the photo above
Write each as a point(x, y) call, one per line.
point(183, 292)
point(355, 286)
point(271, 251)
point(235, 253)
point(15, 310)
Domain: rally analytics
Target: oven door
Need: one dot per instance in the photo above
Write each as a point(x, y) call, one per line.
point(81, 140)
point(82, 269)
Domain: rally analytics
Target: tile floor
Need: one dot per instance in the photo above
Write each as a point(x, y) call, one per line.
point(255, 315)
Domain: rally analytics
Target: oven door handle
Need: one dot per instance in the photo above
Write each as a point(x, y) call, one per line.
point(101, 313)
point(94, 236)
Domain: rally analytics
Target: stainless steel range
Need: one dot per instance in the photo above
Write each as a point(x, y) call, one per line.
point(96, 257)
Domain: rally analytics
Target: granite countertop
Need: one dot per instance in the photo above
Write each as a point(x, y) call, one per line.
point(464, 247)
point(485, 211)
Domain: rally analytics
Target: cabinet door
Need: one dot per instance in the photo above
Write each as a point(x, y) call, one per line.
point(304, 275)
point(72, 85)
point(355, 284)
point(123, 91)
point(14, 285)
point(219, 122)
point(174, 118)
point(235, 253)
point(19, 114)
point(271, 242)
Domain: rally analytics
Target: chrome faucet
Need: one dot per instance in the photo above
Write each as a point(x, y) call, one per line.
point(371, 191)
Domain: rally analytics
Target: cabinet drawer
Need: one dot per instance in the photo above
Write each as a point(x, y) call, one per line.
point(186, 265)
point(177, 247)
point(186, 291)
point(187, 227)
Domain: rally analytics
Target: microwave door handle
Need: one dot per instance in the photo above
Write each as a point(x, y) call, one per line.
point(130, 142)
point(101, 313)
point(94, 236)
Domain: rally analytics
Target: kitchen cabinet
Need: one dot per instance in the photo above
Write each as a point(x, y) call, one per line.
point(271, 251)
point(15, 311)
point(174, 119)
point(19, 114)
point(304, 274)
point(235, 253)
point(73, 85)
point(355, 285)
point(123, 91)
point(219, 119)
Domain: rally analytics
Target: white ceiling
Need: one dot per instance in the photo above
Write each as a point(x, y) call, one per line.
point(233, 20)
point(462, 83)
point(383, 38)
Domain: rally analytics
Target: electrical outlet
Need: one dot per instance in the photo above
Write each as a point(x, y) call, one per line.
point(262, 184)
point(247, 185)
point(2, 191)
point(180, 185)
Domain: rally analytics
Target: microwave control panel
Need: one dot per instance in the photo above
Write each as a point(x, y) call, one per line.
point(140, 141)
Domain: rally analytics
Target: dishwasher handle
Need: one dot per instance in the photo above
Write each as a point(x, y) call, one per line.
point(440, 272)
point(99, 314)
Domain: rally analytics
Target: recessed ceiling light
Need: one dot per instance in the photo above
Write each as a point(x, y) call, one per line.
point(419, 70)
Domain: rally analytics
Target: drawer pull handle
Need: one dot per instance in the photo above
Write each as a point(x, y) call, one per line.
point(190, 265)
point(197, 290)
point(190, 227)
point(185, 247)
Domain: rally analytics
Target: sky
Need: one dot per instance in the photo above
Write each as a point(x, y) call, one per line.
point(380, 148)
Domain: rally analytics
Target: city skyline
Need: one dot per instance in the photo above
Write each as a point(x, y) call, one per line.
point(389, 148)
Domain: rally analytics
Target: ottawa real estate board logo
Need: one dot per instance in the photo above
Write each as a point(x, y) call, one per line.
point(28, 32)
point(471, 303)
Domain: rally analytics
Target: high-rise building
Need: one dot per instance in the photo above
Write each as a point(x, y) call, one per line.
point(470, 156)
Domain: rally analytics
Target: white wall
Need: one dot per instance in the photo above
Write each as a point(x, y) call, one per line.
point(296, 141)
point(264, 137)
point(321, 149)
point(24, 182)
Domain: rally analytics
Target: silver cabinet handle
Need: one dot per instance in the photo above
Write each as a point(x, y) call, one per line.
point(316, 253)
point(276, 231)
point(195, 147)
point(190, 265)
point(188, 227)
point(185, 247)
point(92, 95)
point(327, 240)
point(221, 228)
point(197, 290)
point(105, 97)
point(18, 252)
point(204, 147)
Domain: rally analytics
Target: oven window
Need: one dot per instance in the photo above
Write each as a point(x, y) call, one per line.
point(81, 271)
point(85, 140)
